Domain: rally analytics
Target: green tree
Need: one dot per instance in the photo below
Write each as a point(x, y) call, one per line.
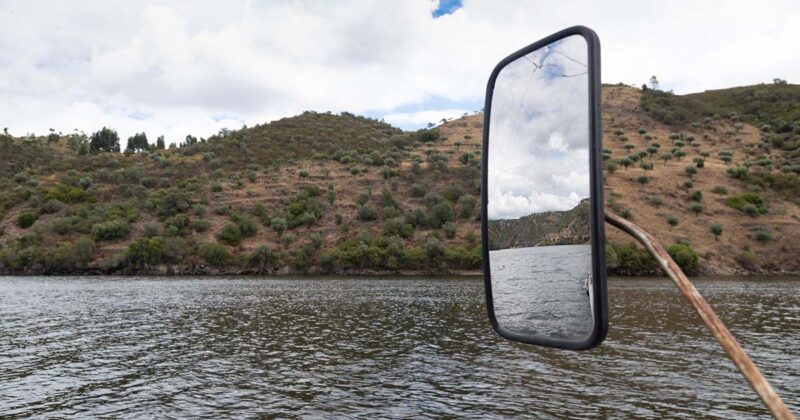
point(716, 230)
point(137, 143)
point(279, 225)
point(160, 143)
point(105, 140)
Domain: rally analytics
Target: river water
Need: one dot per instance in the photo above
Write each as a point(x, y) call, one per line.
point(211, 347)
point(543, 290)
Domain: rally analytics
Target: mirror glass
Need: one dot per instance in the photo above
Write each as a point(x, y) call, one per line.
point(538, 205)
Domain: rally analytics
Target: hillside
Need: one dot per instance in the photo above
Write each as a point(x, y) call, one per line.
point(325, 193)
point(547, 228)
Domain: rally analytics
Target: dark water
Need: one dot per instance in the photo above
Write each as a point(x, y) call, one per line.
point(373, 348)
point(543, 291)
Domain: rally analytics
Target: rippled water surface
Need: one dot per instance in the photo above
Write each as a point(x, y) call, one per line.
point(543, 291)
point(374, 347)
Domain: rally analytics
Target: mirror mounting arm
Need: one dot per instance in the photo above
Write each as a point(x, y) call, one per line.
point(728, 342)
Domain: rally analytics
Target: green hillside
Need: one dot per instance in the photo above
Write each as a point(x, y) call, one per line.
point(715, 176)
point(547, 228)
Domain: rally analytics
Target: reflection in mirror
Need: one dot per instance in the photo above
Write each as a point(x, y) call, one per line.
point(538, 178)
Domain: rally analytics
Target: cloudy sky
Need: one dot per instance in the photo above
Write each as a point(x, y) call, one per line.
point(183, 67)
point(539, 132)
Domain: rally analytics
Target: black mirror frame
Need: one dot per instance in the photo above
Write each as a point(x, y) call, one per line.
point(597, 214)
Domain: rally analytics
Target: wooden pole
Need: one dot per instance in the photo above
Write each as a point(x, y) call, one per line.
point(735, 351)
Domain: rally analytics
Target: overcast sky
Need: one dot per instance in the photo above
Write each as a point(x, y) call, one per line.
point(183, 67)
point(539, 131)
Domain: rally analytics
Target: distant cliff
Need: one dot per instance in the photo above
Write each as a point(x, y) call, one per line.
point(547, 228)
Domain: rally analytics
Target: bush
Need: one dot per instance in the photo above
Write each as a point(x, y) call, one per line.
point(762, 235)
point(716, 230)
point(441, 214)
point(643, 179)
point(367, 213)
point(747, 260)
point(453, 192)
point(418, 190)
point(26, 220)
point(684, 256)
point(672, 221)
point(230, 234)
point(466, 206)
point(450, 230)
point(278, 224)
point(262, 258)
point(247, 226)
point(655, 201)
point(109, 231)
point(719, 190)
point(201, 226)
point(749, 203)
point(696, 208)
point(696, 196)
point(629, 259)
point(287, 239)
point(144, 252)
point(215, 255)
point(51, 206)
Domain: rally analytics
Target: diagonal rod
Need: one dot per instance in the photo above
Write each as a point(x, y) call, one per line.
point(728, 342)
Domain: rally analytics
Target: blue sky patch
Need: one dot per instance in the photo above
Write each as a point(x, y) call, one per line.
point(446, 7)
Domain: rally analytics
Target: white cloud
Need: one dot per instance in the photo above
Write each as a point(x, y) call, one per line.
point(176, 67)
point(421, 118)
point(539, 132)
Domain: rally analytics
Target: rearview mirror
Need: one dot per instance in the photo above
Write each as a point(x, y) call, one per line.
point(542, 204)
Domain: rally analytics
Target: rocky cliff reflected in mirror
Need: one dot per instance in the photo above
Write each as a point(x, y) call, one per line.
point(538, 194)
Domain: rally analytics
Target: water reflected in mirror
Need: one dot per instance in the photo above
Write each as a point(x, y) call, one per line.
point(538, 193)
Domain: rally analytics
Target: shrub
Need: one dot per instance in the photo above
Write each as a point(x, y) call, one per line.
point(144, 252)
point(672, 221)
point(696, 208)
point(655, 201)
point(466, 206)
point(215, 255)
point(109, 231)
point(176, 224)
point(26, 220)
point(747, 260)
point(247, 226)
point(230, 234)
point(201, 226)
point(696, 196)
point(762, 235)
point(387, 199)
point(716, 230)
point(287, 239)
point(450, 230)
point(51, 206)
point(719, 190)
point(453, 192)
point(337, 218)
point(367, 213)
point(418, 190)
point(441, 214)
point(628, 259)
point(262, 258)
point(626, 213)
point(690, 170)
point(684, 256)
point(278, 224)
point(688, 185)
point(643, 179)
point(749, 203)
